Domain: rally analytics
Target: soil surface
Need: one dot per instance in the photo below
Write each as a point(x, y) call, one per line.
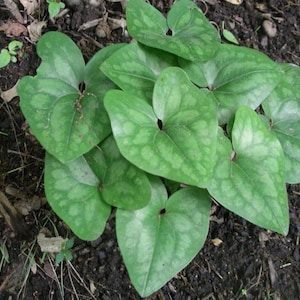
point(238, 261)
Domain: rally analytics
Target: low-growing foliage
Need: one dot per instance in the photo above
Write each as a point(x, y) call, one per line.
point(65, 253)
point(157, 127)
point(9, 55)
point(54, 7)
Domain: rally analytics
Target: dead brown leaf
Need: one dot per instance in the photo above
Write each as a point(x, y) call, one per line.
point(30, 6)
point(11, 216)
point(13, 29)
point(50, 244)
point(25, 205)
point(35, 30)
point(9, 94)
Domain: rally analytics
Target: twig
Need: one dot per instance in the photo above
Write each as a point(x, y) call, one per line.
point(25, 155)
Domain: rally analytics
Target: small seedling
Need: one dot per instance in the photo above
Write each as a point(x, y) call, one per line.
point(65, 253)
point(54, 7)
point(244, 292)
point(9, 55)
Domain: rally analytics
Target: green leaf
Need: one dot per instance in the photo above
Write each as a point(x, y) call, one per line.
point(68, 255)
point(191, 35)
point(80, 191)
point(72, 192)
point(175, 139)
point(69, 243)
point(54, 8)
point(13, 59)
point(236, 76)
point(291, 74)
point(93, 76)
point(159, 240)
point(14, 46)
point(65, 123)
point(61, 59)
point(229, 36)
point(283, 109)
point(249, 175)
point(135, 68)
point(65, 113)
point(59, 257)
point(4, 58)
point(121, 183)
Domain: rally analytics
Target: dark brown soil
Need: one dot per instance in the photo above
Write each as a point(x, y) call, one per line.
point(250, 263)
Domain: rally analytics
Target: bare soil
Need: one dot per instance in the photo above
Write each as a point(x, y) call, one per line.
point(249, 263)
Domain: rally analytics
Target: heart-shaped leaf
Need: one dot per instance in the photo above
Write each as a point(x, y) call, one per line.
point(159, 240)
point(4, 58)
point(186, 32)
point(236, 76)
point(121, 184)
point(249, 175)
point(61, 58)
point(136, 67)
point(80, 191)
point(72, 191)
point(66, 113)
point(283, 109)
point(175, 139)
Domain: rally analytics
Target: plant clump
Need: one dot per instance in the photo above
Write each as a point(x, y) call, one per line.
point(163, 125)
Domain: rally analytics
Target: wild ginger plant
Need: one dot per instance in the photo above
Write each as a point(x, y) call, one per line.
point(157, 128)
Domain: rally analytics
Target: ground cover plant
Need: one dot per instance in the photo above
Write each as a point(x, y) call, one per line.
point(157, 131)
point(9, 55)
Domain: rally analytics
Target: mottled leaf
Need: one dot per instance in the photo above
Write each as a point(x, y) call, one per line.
point(156, 242)
point(249, 175)
point(136, 67)
point(236, 76)
point(63, 103)
point(72, 191)
point(186, 32)
point(176, 138)
point(121, 184)
point(283, 109)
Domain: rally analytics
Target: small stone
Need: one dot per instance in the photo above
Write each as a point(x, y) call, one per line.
point(269, 28)
point(235, 2)
point(217, 242)
point(264, 41)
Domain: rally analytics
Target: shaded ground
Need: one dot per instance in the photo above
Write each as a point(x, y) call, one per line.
point(250, 263)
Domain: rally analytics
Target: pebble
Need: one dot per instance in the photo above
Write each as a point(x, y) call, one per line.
point(269, 28)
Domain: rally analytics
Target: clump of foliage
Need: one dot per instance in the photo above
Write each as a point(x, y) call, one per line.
point(9, 55)
point(158, 127)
